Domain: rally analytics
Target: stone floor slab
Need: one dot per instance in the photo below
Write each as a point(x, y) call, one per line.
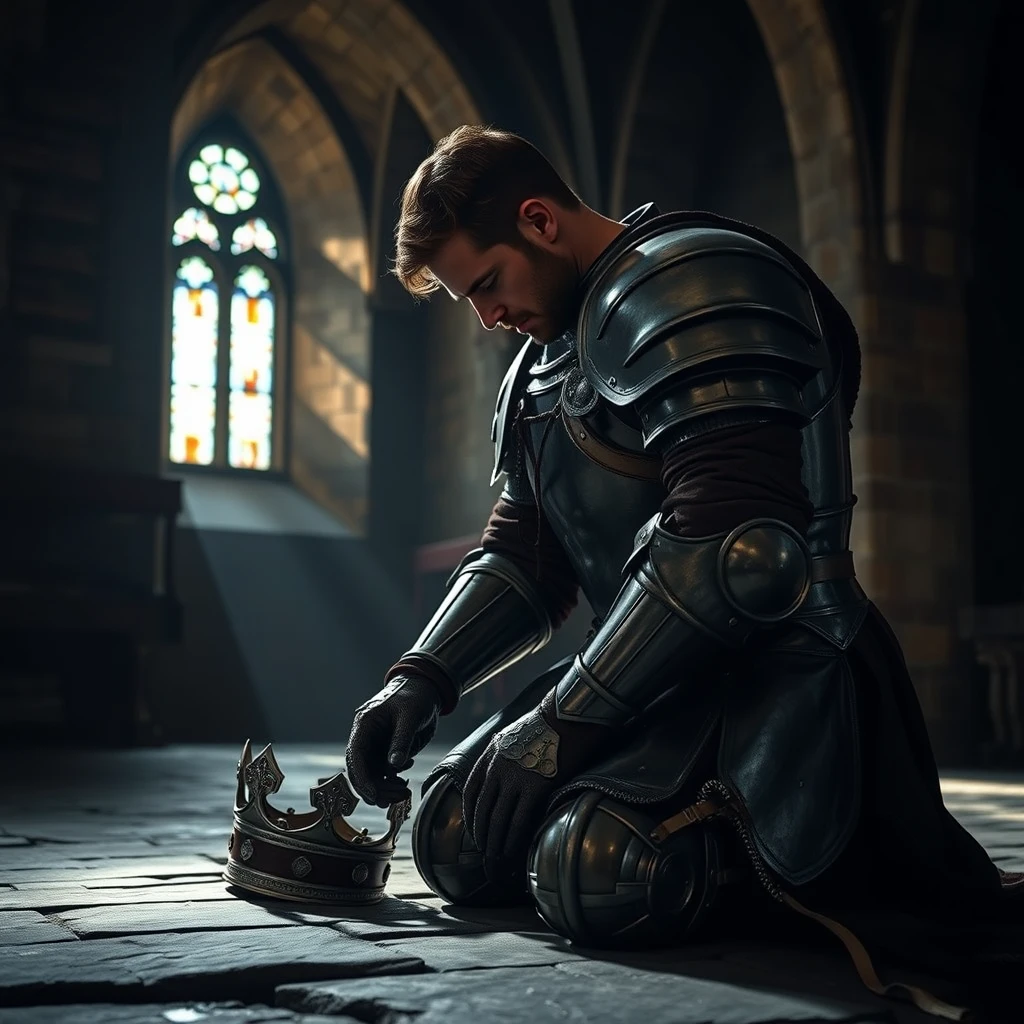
point(245, 964)
point(395, 918)
point(220, 915)
point(129, 832)
point(83, 880)
point(55, 855)
point(166, 1013)
point(485, 949)
point(601, 994)
point(63, 897)
point(23, 927)
point(156, 866)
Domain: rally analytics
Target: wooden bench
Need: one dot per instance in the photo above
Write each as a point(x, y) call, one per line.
point(86, 587)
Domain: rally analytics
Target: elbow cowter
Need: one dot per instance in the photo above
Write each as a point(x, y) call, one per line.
point(684, 603)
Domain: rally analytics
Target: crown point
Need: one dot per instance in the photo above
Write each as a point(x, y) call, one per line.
point(330, 860)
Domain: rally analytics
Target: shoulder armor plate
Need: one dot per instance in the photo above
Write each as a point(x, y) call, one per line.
point(506, 407)
point(689, 302)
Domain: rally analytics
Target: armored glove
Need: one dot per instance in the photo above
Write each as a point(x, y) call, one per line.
point(387, 732)
point(508, 789)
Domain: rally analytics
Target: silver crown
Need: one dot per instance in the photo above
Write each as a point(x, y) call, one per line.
point(316, 856)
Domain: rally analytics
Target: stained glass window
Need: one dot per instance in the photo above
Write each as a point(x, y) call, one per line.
point(194, 223)
point(252, 361)
point(254, 234)
point(222, 178)
point(224, 315)
point(195, 316)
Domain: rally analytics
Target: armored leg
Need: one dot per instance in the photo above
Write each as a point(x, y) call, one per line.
point(447, 859)
point(598, 878)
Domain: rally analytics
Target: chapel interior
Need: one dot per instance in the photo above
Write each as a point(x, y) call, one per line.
point(239, 461)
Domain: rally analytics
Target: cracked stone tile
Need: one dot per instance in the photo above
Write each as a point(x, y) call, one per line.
point(22, 927)
point(599, 993)
point(246, 964)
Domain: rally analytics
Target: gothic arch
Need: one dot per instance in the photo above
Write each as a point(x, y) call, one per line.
point(329, 328)
point(819, 116)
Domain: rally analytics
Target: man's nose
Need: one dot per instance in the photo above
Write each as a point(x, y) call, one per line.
point(490, 316)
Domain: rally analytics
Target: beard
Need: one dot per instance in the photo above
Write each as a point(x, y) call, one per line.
point(557, 300)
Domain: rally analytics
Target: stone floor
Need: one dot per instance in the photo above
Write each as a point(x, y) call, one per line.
point(112, 909)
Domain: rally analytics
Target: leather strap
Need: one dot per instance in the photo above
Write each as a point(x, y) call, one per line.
point(920, 997)
point(700, 811)
point(832, 567)
point(618, 460)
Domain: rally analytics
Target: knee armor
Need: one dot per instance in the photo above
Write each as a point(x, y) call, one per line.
point(448, 860)
point(598, 878)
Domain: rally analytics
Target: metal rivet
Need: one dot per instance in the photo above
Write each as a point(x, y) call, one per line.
point(611, 380)
point(734, 621)
point(583, 436)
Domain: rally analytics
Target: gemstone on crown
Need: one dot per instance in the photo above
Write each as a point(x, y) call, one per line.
point(315, 856)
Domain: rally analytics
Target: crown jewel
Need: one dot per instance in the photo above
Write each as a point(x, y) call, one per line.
point(316, 856)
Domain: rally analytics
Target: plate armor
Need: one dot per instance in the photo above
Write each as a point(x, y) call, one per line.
point(688, 323)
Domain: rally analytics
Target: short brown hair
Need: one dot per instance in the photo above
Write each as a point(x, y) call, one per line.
point(474, 181)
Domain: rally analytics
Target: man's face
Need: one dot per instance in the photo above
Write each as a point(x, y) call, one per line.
point(530, 288)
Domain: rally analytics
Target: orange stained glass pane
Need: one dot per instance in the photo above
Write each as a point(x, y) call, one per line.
point(195, 319)
point(193, 415)
point(252, 333)
point(249, 421)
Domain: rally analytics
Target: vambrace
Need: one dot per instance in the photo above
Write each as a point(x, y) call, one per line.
point(490, 617)
point(684, 603)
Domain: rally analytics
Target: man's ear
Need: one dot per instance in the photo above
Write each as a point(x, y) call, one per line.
point(538, 219)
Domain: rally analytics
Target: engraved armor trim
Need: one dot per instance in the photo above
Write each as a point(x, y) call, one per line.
point(532, 744)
